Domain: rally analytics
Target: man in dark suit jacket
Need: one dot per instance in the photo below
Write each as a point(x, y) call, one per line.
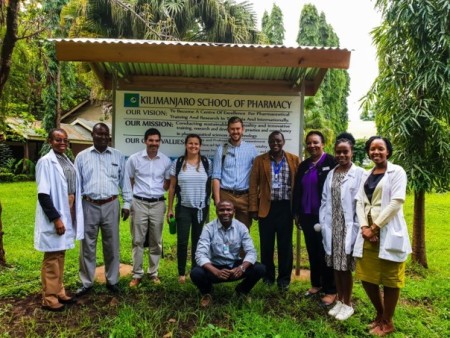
point(271, 185)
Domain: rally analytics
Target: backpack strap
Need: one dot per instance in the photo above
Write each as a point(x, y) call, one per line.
point(224, 153)
point(208, 182)
point(178, 166)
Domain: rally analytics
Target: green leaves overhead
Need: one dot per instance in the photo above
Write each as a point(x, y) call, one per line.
point(315, 31)
point(272, 26)
point(193, 20)
point(411, 96)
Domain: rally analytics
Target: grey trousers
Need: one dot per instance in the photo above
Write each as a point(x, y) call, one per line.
point(146, 215)
point(106, 219)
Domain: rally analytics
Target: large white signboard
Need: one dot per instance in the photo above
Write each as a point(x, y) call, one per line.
point(176, 115)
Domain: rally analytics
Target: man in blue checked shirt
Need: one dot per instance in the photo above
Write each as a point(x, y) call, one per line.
point(218, 255)
point(102, 171)
point(233, 163)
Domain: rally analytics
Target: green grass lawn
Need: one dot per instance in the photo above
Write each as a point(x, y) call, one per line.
point(171, 309)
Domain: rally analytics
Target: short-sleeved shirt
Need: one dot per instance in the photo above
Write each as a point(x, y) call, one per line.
point(148, 173)
point(192, 184)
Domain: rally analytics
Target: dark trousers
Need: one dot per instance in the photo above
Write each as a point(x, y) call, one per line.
point(185, 218)
point(204, 280)
point(321, 274)
point(278, 223)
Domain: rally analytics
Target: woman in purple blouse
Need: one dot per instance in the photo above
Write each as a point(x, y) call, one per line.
point(309, 181)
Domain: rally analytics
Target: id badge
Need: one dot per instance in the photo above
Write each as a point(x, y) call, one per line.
point(276, 185)
point(226, 249)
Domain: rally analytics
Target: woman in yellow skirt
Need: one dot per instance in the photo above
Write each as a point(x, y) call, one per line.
point(383, 245)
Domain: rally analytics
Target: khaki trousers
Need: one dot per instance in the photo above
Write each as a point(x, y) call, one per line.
point(146, 218)
point(52, 273)
point(240, 203)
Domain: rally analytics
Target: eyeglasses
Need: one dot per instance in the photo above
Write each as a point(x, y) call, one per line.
point(61, 140)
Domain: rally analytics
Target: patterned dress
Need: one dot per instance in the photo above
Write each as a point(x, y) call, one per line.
point(338, 259)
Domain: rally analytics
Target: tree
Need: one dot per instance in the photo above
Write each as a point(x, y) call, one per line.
point(9, 40)
point(189, 20)
point(411, 97)
point(314, 31)
point(315, 120)
point(272, 26)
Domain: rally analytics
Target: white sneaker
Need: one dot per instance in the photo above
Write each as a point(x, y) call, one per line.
point(335, 309)
point(345, 312)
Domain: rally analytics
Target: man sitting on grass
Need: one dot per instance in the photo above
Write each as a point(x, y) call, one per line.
point(218, 255)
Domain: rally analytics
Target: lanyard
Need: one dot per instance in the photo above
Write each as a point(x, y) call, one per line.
point(277, 168)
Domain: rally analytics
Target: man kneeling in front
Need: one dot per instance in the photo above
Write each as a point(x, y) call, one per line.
point(218, 255)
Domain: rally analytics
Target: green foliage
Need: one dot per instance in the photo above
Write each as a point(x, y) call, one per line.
point(25, 166)
point(6, 177)
point(23, 178)
point(315, 31)
point(359, 153)
point(411, 95)
point(190, 20)
point(6, 154)
point(272, 26)
point(315, 120)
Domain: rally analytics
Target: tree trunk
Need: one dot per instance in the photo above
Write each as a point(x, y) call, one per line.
point(9, 42)
point(2, 251)
point(58, 97)
point(419, 254)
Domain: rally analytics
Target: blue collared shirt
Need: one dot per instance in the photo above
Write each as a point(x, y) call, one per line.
point(220, 246)
point(102, 174)
point(235, 174)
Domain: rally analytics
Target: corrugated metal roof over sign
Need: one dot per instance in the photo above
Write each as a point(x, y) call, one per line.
point(203, 66)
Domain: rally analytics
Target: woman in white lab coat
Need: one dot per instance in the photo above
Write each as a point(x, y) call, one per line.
point(59, 218)
point(339, 223)
point(382, 245)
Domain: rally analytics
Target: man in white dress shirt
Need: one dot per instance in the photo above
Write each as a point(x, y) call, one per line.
point(148, 172)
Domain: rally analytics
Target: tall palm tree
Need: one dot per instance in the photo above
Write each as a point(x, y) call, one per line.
point(188, 20)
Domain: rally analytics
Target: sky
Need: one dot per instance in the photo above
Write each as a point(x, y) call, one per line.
point(352, 20)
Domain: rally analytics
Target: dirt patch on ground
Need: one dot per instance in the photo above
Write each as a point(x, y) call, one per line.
point(24, 317)
point(125, 270)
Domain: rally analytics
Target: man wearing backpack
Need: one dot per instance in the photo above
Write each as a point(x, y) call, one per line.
point(233, 163)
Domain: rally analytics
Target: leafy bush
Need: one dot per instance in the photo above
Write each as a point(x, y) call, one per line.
point(25, 166)
point(23, 178)
point(6, 177)
point(5, 155)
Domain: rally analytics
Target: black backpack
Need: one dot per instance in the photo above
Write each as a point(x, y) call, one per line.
point(205, 163)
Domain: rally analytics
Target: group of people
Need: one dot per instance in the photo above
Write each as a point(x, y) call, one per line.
point(349, 217)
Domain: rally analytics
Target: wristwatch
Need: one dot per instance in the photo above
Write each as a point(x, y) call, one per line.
point(242, 268)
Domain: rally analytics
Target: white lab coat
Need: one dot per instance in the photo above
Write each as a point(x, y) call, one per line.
point(349, 189)
point(394, 239)
point(51, 181)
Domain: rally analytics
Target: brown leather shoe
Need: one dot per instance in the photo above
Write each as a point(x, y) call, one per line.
point(155, 280)
point(54, 308)
point(67, 300)
point(135, 282)
point(206, 300)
